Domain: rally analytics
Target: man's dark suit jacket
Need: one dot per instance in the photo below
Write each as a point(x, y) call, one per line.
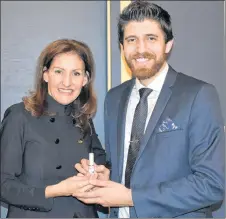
point(179, 171)
point(36, 152)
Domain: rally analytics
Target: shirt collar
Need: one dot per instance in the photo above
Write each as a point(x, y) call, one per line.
point(155, 85)
point(52, 106)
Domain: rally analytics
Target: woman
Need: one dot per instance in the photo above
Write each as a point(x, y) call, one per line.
point(45, 135)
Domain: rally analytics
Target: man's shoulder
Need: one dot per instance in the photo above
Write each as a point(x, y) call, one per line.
point(190, 79)
point(192, 84)
point(118, 90)
point(189, 87)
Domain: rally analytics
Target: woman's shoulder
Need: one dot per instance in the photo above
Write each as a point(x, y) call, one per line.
point(14, 120)
point(15, 110)
point(17, 107)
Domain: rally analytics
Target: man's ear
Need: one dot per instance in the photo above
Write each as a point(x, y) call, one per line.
point(169, 46)
point(121, 48)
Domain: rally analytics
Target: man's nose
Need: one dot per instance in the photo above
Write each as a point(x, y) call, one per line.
point(141, 46)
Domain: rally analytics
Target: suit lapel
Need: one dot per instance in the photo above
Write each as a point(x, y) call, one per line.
point(123, 104)
point(159, 108)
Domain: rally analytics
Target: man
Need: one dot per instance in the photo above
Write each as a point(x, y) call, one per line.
point(164, 130)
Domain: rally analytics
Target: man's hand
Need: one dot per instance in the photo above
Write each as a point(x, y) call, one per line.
point(109, 194)
point(83, 168)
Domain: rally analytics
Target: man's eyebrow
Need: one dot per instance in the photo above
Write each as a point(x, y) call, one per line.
point(148, 34)
point(130, 36)
point(151, 34)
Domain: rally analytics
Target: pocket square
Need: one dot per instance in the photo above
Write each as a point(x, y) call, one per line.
point(168, 125)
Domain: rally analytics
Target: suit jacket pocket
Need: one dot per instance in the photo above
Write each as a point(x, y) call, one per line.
point(170, 133)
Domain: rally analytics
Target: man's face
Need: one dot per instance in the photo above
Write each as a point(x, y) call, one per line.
point(144, 48)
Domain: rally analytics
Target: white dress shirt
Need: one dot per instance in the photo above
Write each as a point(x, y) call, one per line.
point(156, 86)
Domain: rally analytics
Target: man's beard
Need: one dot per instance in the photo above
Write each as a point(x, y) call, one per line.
point(145, 72)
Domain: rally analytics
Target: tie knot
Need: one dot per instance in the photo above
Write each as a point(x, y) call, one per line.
point(144, 92)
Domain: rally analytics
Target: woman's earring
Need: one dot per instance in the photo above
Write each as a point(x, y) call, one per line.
point(88, 76)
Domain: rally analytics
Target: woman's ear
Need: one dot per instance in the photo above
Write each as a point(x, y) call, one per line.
point(45, 75)
point(86, 78)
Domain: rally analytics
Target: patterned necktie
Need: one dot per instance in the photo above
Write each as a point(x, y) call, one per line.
point(137, 132)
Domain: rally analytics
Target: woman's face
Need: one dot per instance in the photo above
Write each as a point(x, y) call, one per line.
point(65, 77)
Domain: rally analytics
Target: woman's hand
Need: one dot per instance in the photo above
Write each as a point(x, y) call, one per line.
point(71, 186)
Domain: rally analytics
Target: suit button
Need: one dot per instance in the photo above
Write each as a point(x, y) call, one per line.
point(80, 141)
point(52, 120)
point(57, 141)
point(58, 167)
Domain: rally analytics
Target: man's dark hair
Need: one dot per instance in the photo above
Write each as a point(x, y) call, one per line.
point(141, 10)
